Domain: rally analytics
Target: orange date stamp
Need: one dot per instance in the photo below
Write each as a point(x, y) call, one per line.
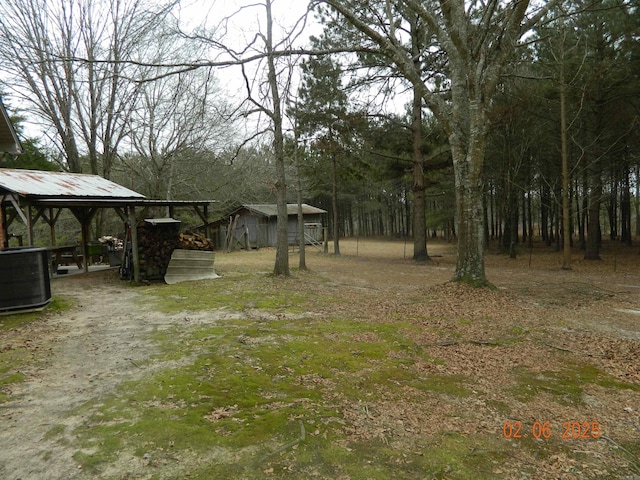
point(544, 430)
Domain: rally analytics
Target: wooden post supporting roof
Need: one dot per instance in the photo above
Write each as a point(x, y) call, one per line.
point(84, 215)
point(29, 225)
point(134, 245)
point(204, 216)
point(4, 239)
point(135, 257)
point(49, 215)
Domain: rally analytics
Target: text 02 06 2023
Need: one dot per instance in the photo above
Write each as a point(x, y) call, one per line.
point(569, 430)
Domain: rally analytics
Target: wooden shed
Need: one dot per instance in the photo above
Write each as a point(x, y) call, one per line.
point(257, 225)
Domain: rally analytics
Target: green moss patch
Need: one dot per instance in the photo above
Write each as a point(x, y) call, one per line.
point(17, 353)
point(239, 292)
point(247, 385)
point(17, 320)
point(566, 386)
point(13, 357)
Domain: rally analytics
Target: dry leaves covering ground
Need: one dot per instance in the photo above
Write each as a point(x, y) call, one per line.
point(546, 346)
point(540, 320)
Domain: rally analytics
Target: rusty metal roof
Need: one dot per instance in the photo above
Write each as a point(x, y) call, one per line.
point(9, 142)
point(36, 183)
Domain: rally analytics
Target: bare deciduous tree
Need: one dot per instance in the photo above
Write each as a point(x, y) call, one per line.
point(265, 81)
point(176, 119)
point(66, 60)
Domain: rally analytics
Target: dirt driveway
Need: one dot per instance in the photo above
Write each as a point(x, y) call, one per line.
point(81, 355)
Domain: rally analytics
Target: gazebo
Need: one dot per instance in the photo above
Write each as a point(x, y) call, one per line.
point(32, 195)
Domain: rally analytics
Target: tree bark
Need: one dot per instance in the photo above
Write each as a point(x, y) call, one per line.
point(592, 247)
point(334, 204)
point(419, 206)
point(637, 200)
point(467, 138)
point(282, 249)
point(625, 208)
point(469, 223)
point(566, 220)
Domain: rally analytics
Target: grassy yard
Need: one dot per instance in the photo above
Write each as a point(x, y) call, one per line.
point(373, 367)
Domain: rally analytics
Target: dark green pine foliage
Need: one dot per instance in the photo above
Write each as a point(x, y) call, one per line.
point(323, 122)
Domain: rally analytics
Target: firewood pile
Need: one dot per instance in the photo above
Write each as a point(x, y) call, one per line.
point(156, 243)
point(193, 241)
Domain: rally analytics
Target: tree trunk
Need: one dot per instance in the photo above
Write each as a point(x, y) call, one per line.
point(612, 207)
point(513, 224)
point(544, 215)
point(579, 219)
point(302, 263)
point(566, 220)
point(592, 247)
point(485, 221)
point(282, 250)
point(334, 200)
point(419, 206)
point(525, 229)
point(637, 201)
point(625, 209)
point(468, 157)
point(530, 218)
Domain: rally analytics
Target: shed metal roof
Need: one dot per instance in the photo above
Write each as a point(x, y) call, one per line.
point(271, 210)
point(9, 142)
point(36, 183)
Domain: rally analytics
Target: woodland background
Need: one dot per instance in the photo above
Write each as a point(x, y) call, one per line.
point(141, 93)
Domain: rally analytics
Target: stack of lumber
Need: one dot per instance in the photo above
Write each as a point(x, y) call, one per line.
point(193, 241)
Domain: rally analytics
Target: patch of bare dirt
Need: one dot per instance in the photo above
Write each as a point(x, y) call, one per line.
point(81, 356)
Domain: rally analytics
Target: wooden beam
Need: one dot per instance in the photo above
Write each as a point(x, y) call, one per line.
point(207, 227)
point(84, 215)
point(4, 236)
point(16, 206)
point(204, 216)
point(135, 256)
point(122, 214)
point(29, 226)
point(51, 219)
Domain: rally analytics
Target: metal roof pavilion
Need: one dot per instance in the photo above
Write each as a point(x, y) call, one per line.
point(33, 195)
point(36, 183)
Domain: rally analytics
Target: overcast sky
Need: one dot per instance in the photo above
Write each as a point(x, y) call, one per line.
point(245, 20)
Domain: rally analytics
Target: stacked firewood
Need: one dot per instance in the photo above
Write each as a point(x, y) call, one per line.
point(156, 243)
point(194, 241)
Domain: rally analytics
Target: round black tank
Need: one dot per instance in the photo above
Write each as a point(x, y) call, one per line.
point(24, 278)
